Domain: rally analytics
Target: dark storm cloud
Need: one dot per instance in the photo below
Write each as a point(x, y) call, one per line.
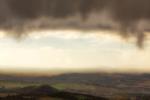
point(130, 17)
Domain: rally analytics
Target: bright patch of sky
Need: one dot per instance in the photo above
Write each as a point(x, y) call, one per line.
point(65, 51)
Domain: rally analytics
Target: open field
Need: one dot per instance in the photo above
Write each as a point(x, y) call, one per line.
point(79, 86)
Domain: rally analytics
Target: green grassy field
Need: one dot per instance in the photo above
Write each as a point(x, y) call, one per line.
point(64, 86)
point(15, 84)
point(60, 86)
point(106, 86)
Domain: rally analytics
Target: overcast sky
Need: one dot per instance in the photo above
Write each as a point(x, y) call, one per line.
point(58, 52)
point(74, 35)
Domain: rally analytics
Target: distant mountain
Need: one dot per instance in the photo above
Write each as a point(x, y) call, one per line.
point(95, 78)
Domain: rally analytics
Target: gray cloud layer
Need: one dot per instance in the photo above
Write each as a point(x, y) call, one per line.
point(130, 17)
